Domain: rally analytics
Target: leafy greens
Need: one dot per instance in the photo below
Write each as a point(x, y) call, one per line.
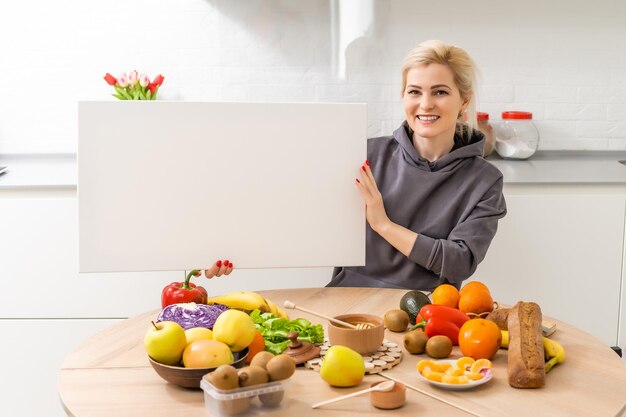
point(275, 330)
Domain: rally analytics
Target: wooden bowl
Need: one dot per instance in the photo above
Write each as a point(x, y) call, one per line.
point(191, 377)
point(390, 399)
point(364, 341)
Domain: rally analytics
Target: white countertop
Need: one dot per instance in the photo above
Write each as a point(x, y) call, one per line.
point(59, 171)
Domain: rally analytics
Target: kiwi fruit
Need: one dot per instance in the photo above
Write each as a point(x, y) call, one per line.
point(252, 375)
point(236, 406)
point(224, 377)
point(415, 341)
point(396, 320)
point(280, 367)
point(261, 359)
point(272, 399)
point(439, 347)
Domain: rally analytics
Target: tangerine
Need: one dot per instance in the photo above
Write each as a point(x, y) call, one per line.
point(472, 285)
point(257, 345)
point(447, 295)
point(479, 339)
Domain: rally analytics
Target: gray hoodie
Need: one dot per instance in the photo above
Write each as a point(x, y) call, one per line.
point(453, 203)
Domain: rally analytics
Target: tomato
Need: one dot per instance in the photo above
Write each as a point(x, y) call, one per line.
point(479, 338)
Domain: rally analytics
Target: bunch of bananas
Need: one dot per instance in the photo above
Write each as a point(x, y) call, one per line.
point(554, 352)
point(248, 301)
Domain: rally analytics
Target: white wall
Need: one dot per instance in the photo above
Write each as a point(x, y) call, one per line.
point(563, 60)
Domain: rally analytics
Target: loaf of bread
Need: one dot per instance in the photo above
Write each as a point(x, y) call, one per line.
point(526, 357)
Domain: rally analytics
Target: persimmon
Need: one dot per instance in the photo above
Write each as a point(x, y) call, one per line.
point(446, 295)
point(257, 345)
point(479, 339)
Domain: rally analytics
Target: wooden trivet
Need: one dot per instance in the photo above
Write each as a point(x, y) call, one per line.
point(387, 356)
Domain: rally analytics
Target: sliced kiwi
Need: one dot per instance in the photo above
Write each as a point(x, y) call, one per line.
point(261, 359)
point(252, 375)
point(225, 377)
point(280, 367)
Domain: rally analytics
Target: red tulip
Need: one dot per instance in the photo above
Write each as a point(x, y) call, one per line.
point(110, 79)
point(152, 87)
point(158, 80)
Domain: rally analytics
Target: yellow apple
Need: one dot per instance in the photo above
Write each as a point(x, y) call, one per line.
point(235, 328)
point(165, 341)
point(198, 333)
point(207, 354)
point(342, 367)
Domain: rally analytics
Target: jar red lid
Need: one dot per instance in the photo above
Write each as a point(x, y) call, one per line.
point(517, 115)
point(481, 116)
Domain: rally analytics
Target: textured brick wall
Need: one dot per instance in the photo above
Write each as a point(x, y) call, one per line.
point(563, 60)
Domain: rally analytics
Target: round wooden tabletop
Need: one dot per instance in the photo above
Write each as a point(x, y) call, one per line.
point(109, 374)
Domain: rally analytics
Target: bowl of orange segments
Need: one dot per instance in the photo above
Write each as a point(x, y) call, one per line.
point(455, 374)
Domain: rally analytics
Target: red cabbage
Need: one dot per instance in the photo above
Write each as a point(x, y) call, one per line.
point(190, 315)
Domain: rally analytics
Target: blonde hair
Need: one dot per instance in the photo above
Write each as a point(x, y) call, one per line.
point(463, 70)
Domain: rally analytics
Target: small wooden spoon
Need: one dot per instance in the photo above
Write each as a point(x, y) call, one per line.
point(289, 304)
point(384, 387)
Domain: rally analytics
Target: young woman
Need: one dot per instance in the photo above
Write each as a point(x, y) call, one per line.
point(432, 201)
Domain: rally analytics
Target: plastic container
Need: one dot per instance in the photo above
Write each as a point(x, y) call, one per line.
point(485, 127)
point(517, 136)
point(256, 399)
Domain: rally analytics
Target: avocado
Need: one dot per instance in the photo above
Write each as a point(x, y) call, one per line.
point(412, 302)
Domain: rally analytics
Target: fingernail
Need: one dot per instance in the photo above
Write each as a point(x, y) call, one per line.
point(226, 262)
point(357, 180)
point(363, 167)
point(367, 162)
point(230, 265)
point(218, 263)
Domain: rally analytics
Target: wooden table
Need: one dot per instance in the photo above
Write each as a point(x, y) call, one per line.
point(109, 374)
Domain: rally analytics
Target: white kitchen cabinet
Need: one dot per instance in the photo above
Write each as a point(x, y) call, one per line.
point(34, 351)
point(39, 248)
point(562, 247)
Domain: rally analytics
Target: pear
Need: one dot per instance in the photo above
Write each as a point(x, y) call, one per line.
point(342, 367)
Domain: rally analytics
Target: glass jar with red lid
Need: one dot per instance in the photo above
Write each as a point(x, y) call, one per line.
point(517, 136)
point(485, 127)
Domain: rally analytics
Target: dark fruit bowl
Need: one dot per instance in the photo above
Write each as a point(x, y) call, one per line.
point(191, 377)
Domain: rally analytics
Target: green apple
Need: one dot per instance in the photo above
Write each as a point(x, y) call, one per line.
point(165, 342)
point(342, 367)
point(235, 328)
point(198, 333)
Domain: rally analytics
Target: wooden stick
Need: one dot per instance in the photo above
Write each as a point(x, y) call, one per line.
point(289, 304)
point(429, 394)
point(379, 387)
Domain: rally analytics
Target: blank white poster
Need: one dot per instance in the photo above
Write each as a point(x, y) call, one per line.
point(178, 185)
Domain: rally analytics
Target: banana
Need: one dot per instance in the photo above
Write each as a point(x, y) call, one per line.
point(554, 352)
point(241, 300)
point(276, 310)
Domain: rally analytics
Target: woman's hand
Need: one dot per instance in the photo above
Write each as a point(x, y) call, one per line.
point(219, 268)
point(374, 205)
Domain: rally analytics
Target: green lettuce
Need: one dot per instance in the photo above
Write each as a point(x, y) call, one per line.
point(275, 330)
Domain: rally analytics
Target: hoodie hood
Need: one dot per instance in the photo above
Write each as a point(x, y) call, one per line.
point(460, 151)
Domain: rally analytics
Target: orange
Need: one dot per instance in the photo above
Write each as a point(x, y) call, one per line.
point(425, 364)
point(465, 362)
point(479, 339)
point(446, 295)
point(476, 300)
point(472, 285)
point(257, 345)
point(481, 364)
point(450, 379)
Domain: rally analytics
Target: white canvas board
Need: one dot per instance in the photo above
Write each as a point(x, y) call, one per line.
point(177, 185)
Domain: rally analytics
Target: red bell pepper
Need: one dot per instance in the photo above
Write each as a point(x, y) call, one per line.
point(441, 320)
point(184, 292)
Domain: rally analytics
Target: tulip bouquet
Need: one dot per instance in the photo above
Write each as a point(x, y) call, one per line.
point(134, 86)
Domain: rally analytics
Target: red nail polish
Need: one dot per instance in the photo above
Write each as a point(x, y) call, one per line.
point(230, 265)
point(363, 167)
point(226, 262)
point(357, 180)
point(367, 162)
point(218, 263)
